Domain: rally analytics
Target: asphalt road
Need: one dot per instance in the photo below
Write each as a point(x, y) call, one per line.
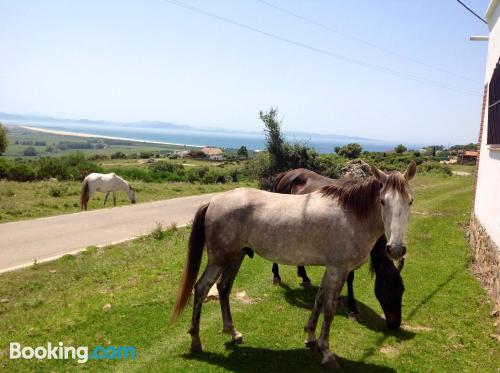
point(21, 243)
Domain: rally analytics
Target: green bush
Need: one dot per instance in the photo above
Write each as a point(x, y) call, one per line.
point(58, 190)
point(21, 171)
point(435, 168)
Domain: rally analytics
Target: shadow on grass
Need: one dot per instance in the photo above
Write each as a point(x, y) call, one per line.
point(250, 359)
point(304, 298)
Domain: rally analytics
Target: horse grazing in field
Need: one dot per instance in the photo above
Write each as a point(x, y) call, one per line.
point(105, 183)
point(389, 286)
point(335, 227)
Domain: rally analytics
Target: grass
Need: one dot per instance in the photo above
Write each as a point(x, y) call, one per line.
point(122, 295)
point(26, 200)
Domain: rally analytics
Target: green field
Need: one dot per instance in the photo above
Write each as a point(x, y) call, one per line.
point(26, 200)
point(122, 295)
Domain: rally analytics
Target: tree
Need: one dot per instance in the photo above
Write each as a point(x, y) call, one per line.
point(243, 152)
point(30, 152)
point(400, 149)
point(4, 141)
point(350, 151)
point(274, 139)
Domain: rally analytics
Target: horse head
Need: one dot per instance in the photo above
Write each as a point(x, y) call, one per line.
point(396, 200)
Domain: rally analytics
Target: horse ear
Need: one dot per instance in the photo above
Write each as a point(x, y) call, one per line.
point(381, 176)
point(411, 171)
point(401, 264)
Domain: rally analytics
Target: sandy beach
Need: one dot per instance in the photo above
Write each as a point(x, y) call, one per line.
point(86, 135)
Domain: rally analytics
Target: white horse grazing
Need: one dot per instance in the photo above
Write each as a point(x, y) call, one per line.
point(105, 183)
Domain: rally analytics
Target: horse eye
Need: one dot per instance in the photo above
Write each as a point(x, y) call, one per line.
point(411, 202)
point(382, 202)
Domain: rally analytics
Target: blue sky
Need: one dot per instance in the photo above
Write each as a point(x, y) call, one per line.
point(152, 60)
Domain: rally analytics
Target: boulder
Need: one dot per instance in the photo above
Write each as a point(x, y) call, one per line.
point(356, 169)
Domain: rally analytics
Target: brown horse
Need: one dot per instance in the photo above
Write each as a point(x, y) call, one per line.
point(334, 227)
point(389, 286)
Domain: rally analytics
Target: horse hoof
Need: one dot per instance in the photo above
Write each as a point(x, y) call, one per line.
point(196, 347)
point(276, 281)
point(306, 284)
point(238, 338)
point(330, 363)
point(353, 316)
point(312, 345)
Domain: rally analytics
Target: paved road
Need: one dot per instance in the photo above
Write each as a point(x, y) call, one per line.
point(48, 238)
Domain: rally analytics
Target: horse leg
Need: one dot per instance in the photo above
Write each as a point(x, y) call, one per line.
point(224, 287)
point(306, 281)
point(333, 282)
point(105, 199)
point(351, 302)
point(276, 272)
point(114, 198)
point(203, 285)
point(310, 327)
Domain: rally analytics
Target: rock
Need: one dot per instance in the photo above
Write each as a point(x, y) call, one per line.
point(357, 169)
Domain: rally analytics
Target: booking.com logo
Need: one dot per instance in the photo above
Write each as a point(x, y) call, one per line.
point(62, 352)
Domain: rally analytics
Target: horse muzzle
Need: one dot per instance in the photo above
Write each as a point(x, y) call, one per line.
point(396, 252)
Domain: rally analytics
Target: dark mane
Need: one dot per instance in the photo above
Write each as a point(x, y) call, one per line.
point(360, 197)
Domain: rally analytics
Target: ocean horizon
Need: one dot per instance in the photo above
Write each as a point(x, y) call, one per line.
point(201, 137)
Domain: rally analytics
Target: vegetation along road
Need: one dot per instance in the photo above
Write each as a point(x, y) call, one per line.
point(123, 294)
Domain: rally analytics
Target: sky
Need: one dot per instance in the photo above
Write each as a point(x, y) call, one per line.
point(155, 60)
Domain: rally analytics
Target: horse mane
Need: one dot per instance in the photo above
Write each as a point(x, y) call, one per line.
point(397, 183)
point(359, 196)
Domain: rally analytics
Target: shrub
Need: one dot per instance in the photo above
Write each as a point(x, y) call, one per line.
point(157, 233)
point(435, 167)
point(118, 155)
point(349, 151)
point(30, 152)
point(58, 190)
point(21, 171)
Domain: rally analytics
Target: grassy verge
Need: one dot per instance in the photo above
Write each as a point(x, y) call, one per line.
point(122, 295)
point(26, 200)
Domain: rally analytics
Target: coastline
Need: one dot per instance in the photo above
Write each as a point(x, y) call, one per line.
point(86, 135)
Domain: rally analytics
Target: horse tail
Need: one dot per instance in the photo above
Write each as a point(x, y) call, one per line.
point(192, 266)
point(274, 186)
point(84, 195)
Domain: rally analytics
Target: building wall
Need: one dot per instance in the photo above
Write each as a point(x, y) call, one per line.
point(487, 201)
point(485, 218)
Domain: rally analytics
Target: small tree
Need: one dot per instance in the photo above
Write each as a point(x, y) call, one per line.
point(400, 149)
point(30, 152)
point(4, 141)
point(350, 151)
point(274, 139)
point(243, 152)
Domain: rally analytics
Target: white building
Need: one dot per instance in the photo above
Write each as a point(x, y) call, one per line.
point(485, 219)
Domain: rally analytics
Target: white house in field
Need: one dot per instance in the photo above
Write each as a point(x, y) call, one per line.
point(485, 218)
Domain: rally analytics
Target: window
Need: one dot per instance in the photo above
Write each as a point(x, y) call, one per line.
point(494, 108)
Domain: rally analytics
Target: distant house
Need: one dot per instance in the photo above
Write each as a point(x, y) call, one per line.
point(485, 217)
point(182, 153)
point(214, 154)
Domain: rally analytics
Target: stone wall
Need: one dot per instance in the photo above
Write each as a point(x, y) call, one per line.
point(486, 259)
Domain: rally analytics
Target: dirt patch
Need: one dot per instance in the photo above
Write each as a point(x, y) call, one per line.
point(389, 351)
point(416, 328)
point(460, 173)
point(244, 298)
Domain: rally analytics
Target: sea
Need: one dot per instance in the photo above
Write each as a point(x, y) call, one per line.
point(191, 136)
